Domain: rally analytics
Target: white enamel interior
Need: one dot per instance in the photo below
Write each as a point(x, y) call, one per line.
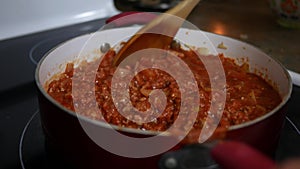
point(258, 61)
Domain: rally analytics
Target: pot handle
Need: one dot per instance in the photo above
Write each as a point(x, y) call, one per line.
point(189, 157)
point(136, 18)
point(217, 155)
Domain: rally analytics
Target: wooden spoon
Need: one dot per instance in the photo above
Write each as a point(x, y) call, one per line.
point(158, 33)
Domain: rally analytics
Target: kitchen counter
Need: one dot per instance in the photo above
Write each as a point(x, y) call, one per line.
point(250, 21)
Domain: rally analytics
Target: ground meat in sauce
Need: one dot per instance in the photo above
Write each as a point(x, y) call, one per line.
point(248, 96)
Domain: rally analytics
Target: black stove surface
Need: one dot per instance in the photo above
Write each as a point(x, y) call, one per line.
point(18, 100)
point(22, 143)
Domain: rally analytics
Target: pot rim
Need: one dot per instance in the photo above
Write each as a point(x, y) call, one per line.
point(149, 132)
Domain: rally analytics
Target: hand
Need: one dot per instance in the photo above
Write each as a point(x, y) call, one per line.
point(290, 164)
point(237, 155)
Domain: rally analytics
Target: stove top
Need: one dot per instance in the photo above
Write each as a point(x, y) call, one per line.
point(22, 143)
point(18, 99)
point(35, 16)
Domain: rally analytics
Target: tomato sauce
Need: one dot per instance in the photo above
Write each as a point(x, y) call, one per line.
point(248, 96)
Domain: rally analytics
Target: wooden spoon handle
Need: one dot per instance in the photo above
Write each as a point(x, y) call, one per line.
point(187, 5)
point(167, 23)
point(162, 29)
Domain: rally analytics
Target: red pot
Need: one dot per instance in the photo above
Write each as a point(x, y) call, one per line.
point(65, 134)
